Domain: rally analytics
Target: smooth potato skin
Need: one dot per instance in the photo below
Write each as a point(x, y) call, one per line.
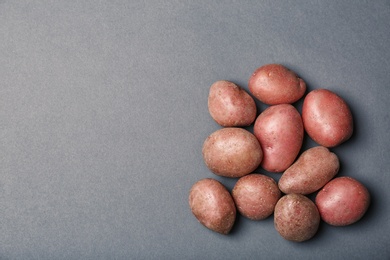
point(342, 201)
point(213, 206)
point(296, 217)
point(230, 105)
point(274, 84)
point(256, 195)
point(232, 152)
point(279, 130)
point(327, 118)
point(310, 172)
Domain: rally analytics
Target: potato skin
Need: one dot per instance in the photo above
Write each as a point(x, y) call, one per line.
point(327, 118)
point(310, 172)
point(213, 206)
point(256, 195)
point(275, 84)
point(342, 201)
point(279, 130)
point(231, 105)
point(296, 217)
point(232, 152)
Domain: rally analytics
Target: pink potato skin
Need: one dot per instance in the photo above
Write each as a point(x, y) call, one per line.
point(256, 195)
point(213, 206)
point(342, 201)
point(310, 172)
point(231, 105)
point(232, 152)
point(279, 130)
point(274, 84)
point(296, 217)
point(327, 118)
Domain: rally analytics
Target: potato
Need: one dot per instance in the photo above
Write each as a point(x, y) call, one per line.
point(255, 196)
point(274, 84)
point(296, 217)
point(213, 206)
point(232, 152)
point(310, 172)
point(327, 118)
point(279, 130)
point(342, 201)
point(230, 105)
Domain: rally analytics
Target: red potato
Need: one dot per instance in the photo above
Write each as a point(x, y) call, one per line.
point(230, 105)
point(255, 196)
point(310, 172)
point(342, 201)
point(232, 152)
point(274, 84)
point(213, 206)
point(279, 130)
point(327, 118)
point(296, 217)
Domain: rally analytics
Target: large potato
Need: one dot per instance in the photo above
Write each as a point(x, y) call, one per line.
point(230, 105)
point(342, 201)
point(255, 196)
point(327, 118)
point(296, 217)
point(232, 152)
point(279, 130)
point(275, 84)
point(310, 172)
point(212, 205)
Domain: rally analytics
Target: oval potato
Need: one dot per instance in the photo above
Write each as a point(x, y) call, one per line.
point(213, 206)
point(231, 105)
point(296, 217)
point(310, 172)
point(279, 130)
point(342, 201)
point(327, 118)
point(256, 195)
point(232, 152)
point(274, 84)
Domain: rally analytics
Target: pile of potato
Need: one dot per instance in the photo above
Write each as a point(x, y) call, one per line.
point(275, 146)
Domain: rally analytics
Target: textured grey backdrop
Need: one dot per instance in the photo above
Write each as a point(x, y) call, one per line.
point(103, 111)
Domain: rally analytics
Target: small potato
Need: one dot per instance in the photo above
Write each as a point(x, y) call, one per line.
point(342, 201)
point(230, 105)
point(212, 205)
point(296, 217)
point(327, 118)
point(310, 172)
point(232, 152)
point(279, 130)
point(255, 196)
point(274, 84)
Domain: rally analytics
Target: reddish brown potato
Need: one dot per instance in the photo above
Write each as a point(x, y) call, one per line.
point(212, 205)
point(255, 196)
point(310, 172)
point(342, 201)
point(279, 130)
point(327, 118)
point(230, 105)
point(296, 217)
point(232, 152)
point(275, 84)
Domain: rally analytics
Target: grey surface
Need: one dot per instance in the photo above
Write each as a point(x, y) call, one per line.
point(103, 108)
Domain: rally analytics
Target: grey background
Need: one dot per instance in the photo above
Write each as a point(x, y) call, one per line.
point(103, 111)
